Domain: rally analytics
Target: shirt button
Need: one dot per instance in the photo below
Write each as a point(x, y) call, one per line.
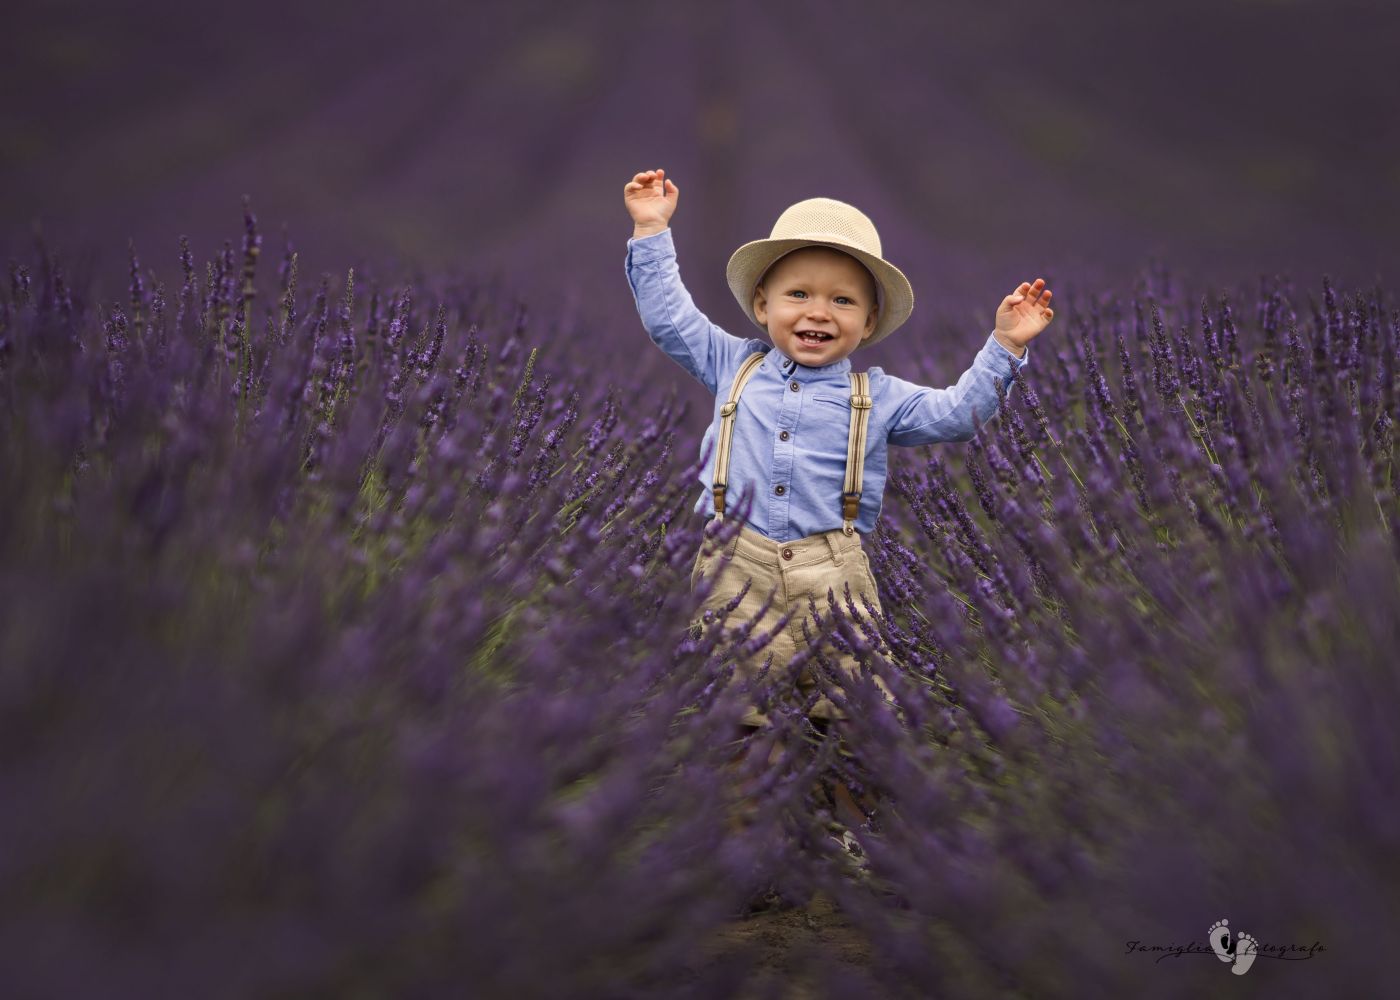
point(780, 489)
point(784, 435)
point(793, 386)
point(787, 553)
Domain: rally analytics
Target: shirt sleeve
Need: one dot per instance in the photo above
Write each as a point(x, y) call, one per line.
point(922, 415)
point(670, 316)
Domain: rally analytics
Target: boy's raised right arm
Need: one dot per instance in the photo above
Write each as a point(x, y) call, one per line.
point(670, 316)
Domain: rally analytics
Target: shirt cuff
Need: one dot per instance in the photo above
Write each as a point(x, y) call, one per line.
point(1020, 362)
point(644, 249)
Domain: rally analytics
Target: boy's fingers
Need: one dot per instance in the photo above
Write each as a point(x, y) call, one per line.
point(1036, 290)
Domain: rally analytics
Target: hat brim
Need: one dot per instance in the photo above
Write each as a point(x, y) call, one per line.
point(748, 263)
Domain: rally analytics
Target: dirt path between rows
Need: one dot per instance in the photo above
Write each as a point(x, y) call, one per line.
point(780, 937)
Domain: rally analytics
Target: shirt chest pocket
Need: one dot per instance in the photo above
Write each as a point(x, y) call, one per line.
point(827, 404)
point(827, 419)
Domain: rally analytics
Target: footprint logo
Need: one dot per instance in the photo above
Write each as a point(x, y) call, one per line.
point(1245, 950)
point(1220, 943)
point(1240, 954)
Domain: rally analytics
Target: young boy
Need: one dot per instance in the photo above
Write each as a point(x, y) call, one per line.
point(815, 464)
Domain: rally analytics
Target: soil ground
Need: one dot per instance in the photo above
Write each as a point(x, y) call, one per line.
point(781, 936)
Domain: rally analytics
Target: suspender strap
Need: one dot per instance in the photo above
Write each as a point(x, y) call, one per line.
point(726, 427)
point(855, 450)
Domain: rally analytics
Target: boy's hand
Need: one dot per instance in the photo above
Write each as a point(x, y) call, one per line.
point(1022, 315)
point(650, 200)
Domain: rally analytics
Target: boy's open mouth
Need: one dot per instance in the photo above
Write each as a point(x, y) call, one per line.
point(813, 338)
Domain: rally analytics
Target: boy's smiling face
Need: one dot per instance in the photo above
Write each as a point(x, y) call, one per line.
point(817, 290)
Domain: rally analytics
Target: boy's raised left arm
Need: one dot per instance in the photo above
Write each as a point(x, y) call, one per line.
point(923, 415)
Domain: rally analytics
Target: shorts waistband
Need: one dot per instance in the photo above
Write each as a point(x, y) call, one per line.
point(831, 545)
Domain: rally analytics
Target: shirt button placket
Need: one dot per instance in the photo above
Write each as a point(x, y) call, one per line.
point(780, 511)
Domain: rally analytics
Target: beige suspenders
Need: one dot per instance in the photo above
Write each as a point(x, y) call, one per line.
point(855, 440)
point(726, 428)
point(855, 450)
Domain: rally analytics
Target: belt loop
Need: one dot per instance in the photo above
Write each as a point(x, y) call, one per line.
point(837, 556)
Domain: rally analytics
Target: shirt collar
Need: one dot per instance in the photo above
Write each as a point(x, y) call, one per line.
point(787, 367)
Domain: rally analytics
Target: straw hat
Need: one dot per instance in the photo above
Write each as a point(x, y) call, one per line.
point(832, 223)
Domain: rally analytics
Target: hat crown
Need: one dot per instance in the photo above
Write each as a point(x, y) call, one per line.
point(830, 220)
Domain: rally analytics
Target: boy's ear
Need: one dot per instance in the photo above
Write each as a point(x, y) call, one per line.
point(760, 304)
point(871, 322)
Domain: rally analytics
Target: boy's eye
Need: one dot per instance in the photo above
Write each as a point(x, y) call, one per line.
point(839, 298)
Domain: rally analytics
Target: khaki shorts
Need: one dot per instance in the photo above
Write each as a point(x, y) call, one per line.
point(807, 566)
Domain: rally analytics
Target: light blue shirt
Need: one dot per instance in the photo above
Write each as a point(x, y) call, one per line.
point(789, 444)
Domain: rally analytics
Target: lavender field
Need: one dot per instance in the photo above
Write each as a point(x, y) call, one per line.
point(345, 643)
point(345, 653)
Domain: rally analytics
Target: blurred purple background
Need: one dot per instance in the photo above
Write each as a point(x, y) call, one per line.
point(990, 142)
